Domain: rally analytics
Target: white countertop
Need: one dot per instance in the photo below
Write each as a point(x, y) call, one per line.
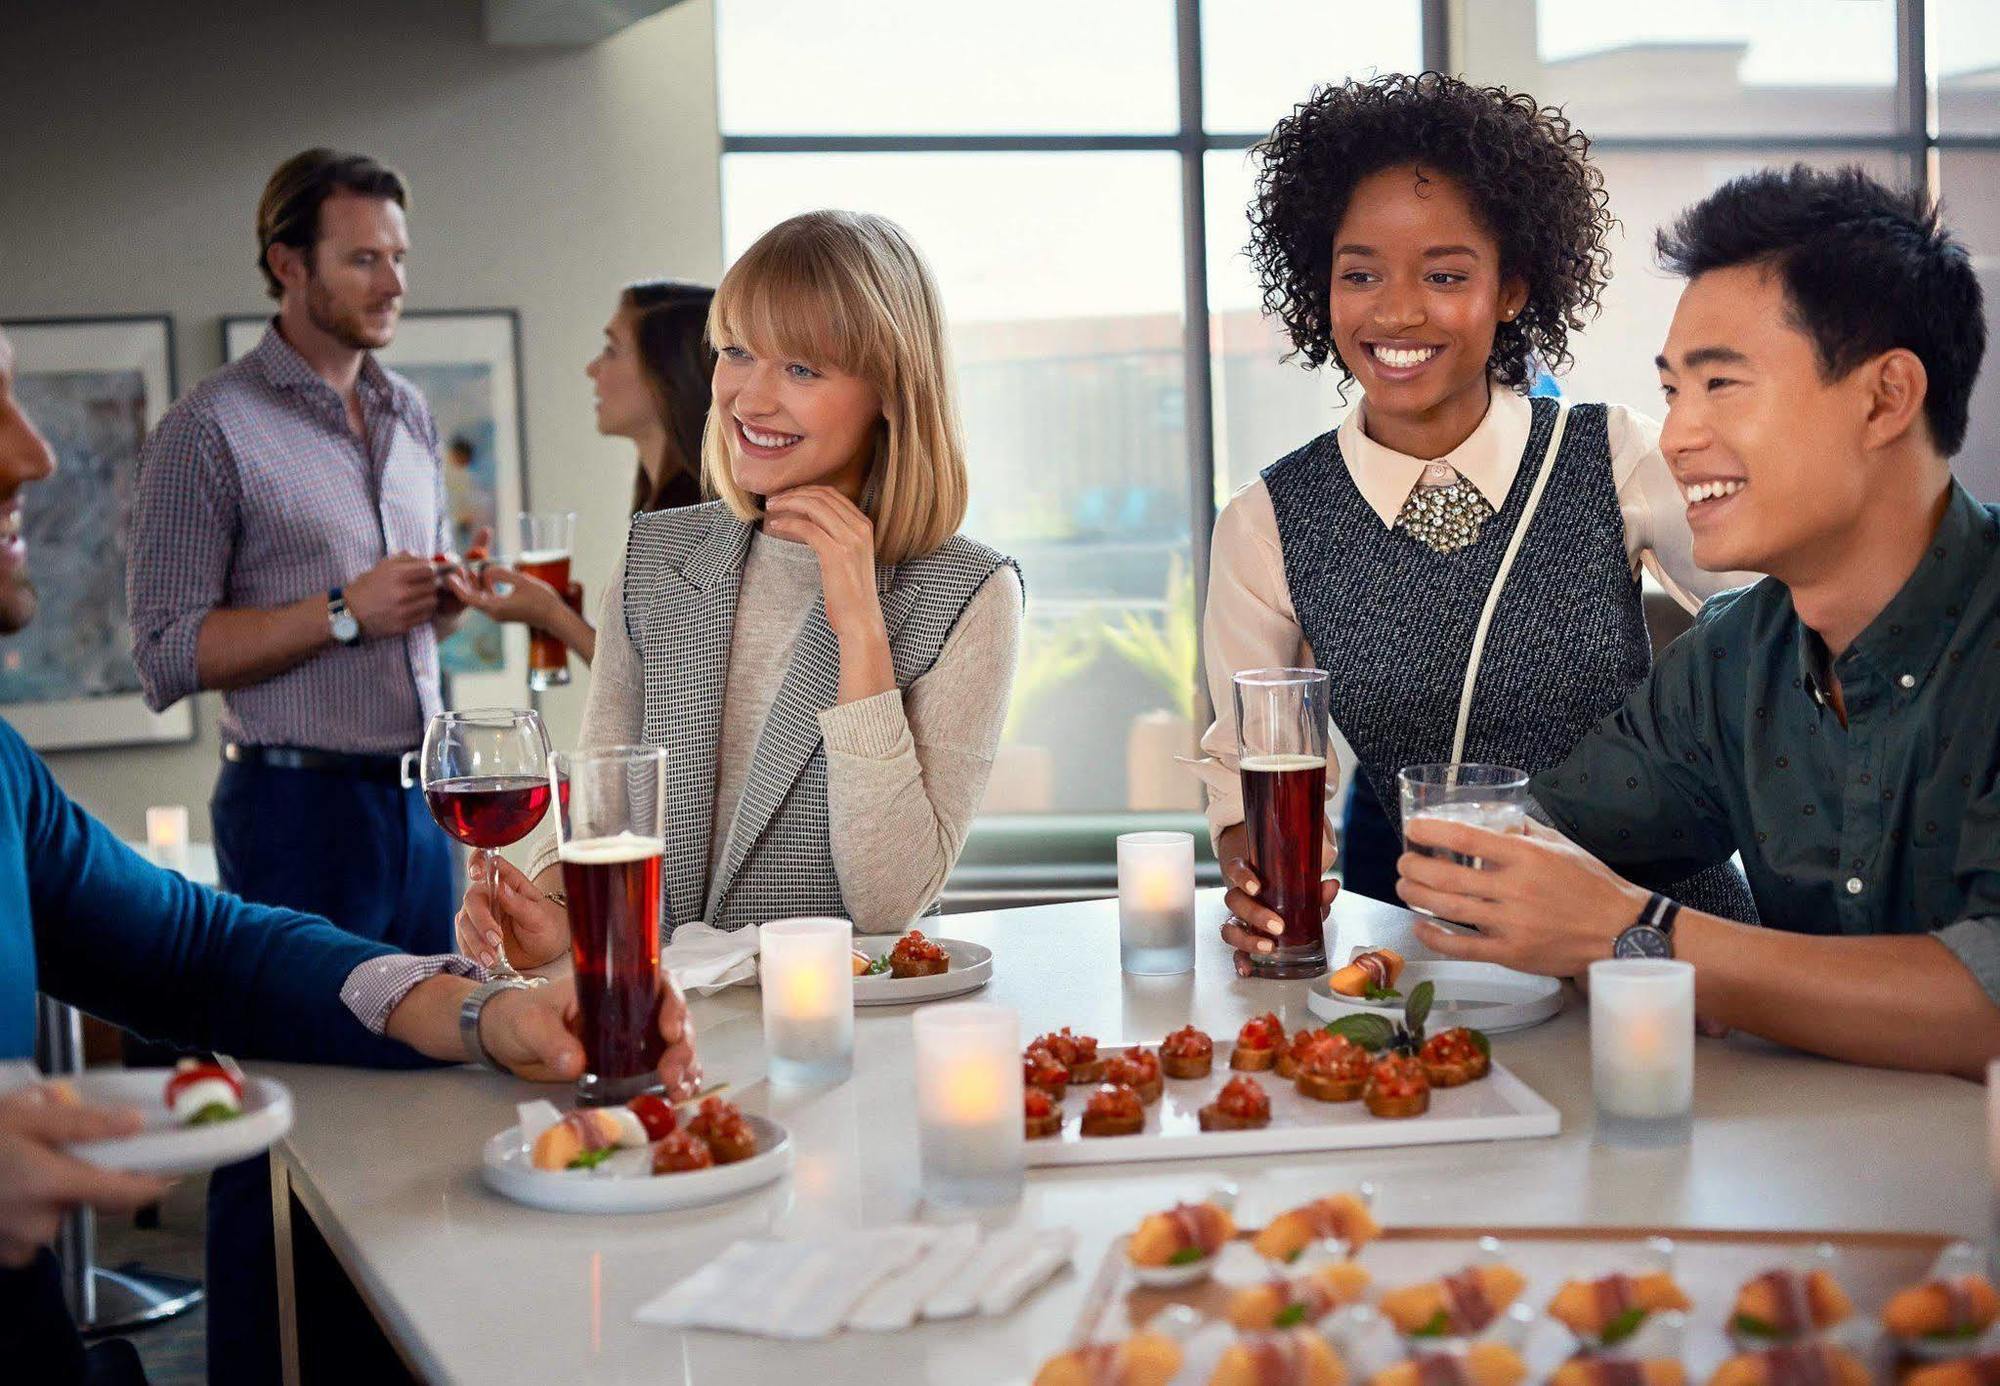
point(474, 1288)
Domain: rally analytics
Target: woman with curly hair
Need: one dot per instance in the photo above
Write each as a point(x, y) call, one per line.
point(1462, 560)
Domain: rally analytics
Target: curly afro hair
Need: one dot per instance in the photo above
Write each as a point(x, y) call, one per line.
point(1526, 171)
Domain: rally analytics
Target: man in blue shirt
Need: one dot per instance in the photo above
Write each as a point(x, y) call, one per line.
point(1834, 724)
point(85, 919)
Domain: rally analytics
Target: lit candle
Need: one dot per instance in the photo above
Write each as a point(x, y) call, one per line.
point(808, 999)
point(1156, 902)
point(167, 836)
point(969, 1125)
point(1642, 1049)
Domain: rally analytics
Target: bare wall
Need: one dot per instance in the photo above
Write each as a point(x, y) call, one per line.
point(136, 136)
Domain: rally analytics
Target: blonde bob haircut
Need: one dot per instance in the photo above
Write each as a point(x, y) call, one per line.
point(847, 291)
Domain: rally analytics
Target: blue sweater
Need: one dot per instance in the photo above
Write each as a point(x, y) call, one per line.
point(89, 921)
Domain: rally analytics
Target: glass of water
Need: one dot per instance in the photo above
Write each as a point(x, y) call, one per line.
point(1493, 797)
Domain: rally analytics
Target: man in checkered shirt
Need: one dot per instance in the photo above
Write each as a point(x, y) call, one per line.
point(289, 510)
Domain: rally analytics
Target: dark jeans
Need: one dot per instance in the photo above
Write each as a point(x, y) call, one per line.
point(38, 1342)
point(366, 855)
point(1369, 846)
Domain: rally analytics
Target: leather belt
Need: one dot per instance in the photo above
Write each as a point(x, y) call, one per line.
point(388, 769)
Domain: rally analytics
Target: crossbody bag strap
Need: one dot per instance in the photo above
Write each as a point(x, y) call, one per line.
point(1500, 580)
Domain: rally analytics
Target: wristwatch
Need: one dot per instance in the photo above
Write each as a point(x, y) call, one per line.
point(470, 1009)
point(346, 629)
point(1652, 934)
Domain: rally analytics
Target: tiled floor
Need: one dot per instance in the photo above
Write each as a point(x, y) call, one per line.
point(172, 1351)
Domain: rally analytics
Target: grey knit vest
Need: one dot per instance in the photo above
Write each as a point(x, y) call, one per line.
point(683, 570)
point(1392, 621)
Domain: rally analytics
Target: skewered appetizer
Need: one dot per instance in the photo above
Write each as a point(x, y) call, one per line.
point(202, 1094)
point(1187, 1053)
point(1482, 1364)
point(1078, 1054)
point(1615, 1371)
point(1181, 1236)
point(862, 964)
point(656, 1114)
point(1257, 1043)
point(916, 956)
point(1113, 1110)
point(1799, 1364)
point(1040, 1068)
point(1454, 1306)
point(1455, 1056)
point(1611, 1308)
point(682, 1152)
point(1295, 1357)
point(1966, 1371)
point(1138, 1068)
point(721, 1127)
point(1785, 1304)
point(1242, 1105)
point(588, 1137)
point(1341, 1215)
point(1962, 1307)
point(1041, 1114)
point(1333, 1069)
point(1397, 1087)
point(1145, 1359)
point(1371, 972)
point(1306, 1298)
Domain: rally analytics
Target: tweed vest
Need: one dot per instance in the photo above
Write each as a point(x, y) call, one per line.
point(683, 570)
point(1392, 621)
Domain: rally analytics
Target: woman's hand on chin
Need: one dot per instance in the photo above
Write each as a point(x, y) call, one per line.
point(843, 537)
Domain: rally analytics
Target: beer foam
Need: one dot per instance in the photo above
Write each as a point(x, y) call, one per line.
point(612, 851)
point(1284, 762)
point(542, 556)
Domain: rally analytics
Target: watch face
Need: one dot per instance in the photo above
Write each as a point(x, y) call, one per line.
point(345, 627)
point(1642, 941)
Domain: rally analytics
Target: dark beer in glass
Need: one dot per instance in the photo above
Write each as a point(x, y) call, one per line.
point(546, 540)
point(1281, 722)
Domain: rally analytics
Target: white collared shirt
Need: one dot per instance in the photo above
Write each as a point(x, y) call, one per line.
point(1249, 622)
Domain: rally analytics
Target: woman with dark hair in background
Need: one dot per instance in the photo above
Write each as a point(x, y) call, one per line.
point(652, 386)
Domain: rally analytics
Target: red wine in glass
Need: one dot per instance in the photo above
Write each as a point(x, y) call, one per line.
point(613, 884)
point(488, 810)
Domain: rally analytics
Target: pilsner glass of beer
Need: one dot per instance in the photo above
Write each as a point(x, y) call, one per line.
point(1281, 725)
point(545, 550)
point(609, 816)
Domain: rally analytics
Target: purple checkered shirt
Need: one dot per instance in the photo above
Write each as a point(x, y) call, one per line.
point(255, 492)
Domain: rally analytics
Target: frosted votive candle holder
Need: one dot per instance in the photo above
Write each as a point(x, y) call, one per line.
point(1642, 1050)
point(1156, 903)
point(808, 984)
point(969, 1130)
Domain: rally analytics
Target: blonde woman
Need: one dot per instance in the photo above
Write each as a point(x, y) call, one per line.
point(825, 658)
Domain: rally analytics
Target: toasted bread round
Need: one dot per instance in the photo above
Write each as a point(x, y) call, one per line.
point(1197, 1066)
point(1214, 1119)
point(1416, 1104)
point(1252, 1060)
point(1098, 1124)
point(899, 967)
point(1329, 1087)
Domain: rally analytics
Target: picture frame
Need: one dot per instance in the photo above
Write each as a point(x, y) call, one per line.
point(467, 364)
point(95, 386)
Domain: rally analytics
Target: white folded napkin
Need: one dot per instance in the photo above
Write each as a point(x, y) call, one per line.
point(702, 960)
point(877, 1279)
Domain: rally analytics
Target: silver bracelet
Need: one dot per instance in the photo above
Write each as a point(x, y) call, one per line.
point(469, 1011)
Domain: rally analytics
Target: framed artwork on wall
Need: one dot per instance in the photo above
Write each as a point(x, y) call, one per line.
point(93, 386)
point(467, 365)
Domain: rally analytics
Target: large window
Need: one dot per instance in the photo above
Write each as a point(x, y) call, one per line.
point(1078, 175)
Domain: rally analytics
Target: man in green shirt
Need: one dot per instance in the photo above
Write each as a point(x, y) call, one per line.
point(1838, 724)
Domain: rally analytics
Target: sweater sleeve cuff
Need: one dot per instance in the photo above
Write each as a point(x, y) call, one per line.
point(378, 986)
point(871, 729)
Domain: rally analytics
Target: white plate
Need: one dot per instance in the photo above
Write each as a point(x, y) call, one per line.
point(625, 1183)
point(1483, 995)
point(1498, 1107)
point(164, 1147)
point(971, 968)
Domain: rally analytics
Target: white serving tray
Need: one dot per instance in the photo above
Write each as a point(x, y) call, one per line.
point(971, 968)
point(625, 1183)
point(1486, 996)
point(1498, 1107)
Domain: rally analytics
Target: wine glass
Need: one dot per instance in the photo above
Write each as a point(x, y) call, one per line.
point(486, 779)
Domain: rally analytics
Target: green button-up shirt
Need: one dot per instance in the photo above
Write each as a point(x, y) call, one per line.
point(1888, 825)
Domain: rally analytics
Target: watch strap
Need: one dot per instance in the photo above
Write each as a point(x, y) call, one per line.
point(470, 1010)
